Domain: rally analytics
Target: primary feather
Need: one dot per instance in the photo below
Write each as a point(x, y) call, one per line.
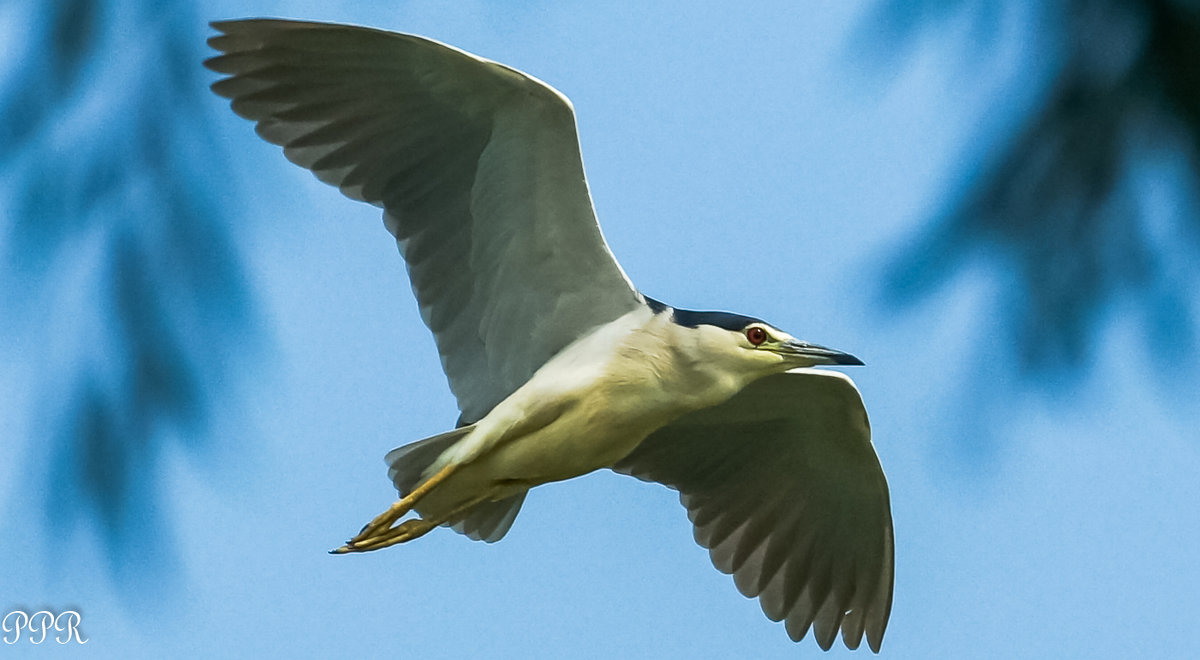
point(478, 172)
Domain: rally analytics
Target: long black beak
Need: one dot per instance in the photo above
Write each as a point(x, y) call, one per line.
point(818, 354)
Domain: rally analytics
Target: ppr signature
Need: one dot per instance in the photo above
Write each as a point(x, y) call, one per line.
point(39, 624)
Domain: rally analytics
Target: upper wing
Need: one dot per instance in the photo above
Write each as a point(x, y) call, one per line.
point(476, 166)
point(785, 490)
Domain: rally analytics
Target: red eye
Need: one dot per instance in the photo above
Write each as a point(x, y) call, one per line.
point(756, 335)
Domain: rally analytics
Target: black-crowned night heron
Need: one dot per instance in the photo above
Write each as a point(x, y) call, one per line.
point(560, 366)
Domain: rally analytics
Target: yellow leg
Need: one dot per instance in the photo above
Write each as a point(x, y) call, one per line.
point(406, 531)
point(386, 519)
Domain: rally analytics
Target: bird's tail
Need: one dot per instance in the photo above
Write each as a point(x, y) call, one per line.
point(487, 521)
point(407, 464)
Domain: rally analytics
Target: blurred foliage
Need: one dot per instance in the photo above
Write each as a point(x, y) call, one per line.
point(1089, 204)
point(115, 228)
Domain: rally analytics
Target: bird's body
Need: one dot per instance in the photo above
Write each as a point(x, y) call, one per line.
point(559, 365)
point(585, 409)
point(589, 406)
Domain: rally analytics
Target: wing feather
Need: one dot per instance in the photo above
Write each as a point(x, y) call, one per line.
point(785, 490)
point(476, 166)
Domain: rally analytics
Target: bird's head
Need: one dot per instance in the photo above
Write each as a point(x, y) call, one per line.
point(765, 344)
point(753, 346)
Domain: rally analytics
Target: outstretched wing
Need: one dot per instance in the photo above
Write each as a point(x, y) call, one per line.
point(476, 166)
point(785, 490)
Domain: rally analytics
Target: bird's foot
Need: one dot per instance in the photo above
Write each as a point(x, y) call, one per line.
point(405, 531)
point(408, 530)
point(385, 520)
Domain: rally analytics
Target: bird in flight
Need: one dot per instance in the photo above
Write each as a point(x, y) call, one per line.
point(559, 364)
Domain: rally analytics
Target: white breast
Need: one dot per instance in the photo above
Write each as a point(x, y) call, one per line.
point(591, 404)
point(586, 409)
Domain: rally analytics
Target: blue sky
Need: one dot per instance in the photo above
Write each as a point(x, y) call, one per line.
point(758, 160)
